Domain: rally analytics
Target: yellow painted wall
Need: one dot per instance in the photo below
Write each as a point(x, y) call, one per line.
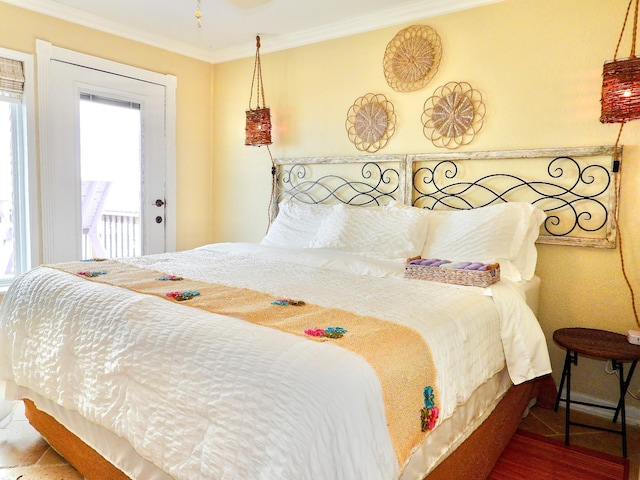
point(19, 30)
point(538, 64)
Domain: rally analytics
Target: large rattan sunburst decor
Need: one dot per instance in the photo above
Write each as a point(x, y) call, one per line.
point(371, 122)
point(412, 58)
point(453, 115)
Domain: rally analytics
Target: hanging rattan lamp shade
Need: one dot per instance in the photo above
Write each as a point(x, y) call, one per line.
point(620, 100)
point(620, 91)
point(258, 123)
point(258, 127)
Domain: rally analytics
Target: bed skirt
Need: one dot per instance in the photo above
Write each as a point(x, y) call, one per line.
point(84, 458)
point(472, 460)
point(475, 457)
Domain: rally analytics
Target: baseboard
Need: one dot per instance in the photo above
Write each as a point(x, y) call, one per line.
point(632, 413)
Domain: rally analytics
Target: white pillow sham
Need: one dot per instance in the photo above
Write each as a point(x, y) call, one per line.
point(392, 232)
point(296, 224)
point(527, 257)
point(505, 233)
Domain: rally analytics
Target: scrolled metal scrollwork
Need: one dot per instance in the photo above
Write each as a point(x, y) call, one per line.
point(570, 200)
point(378, 185)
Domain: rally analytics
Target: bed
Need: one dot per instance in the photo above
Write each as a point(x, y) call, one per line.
point(307, 355)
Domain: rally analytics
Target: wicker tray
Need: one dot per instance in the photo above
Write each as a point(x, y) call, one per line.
point(459, 276)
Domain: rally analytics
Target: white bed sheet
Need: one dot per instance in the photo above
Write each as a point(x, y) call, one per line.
point(277, 412)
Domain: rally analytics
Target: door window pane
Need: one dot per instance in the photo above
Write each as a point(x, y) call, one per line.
point(110, 146)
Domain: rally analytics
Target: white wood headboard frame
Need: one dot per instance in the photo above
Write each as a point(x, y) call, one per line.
point(577, 187)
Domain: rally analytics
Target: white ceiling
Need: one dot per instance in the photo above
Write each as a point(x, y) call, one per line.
point(229, 27)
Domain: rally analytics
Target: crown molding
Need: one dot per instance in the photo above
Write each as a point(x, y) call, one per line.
point(403, 13)
point(417, 10)
point(79, 17)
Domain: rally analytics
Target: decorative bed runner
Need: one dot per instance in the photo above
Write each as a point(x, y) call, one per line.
point(384, 344)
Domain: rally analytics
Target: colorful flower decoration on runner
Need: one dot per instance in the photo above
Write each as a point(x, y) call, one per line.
point(182, 296)
point(91, 273)
point(285, 302)
point(429, 413)
point(329, 332)
point(173, 278)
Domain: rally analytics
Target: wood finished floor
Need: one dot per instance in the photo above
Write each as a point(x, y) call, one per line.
point(551, 424)
point(24, 455)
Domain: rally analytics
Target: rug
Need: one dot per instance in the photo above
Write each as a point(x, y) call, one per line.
point(534, 457)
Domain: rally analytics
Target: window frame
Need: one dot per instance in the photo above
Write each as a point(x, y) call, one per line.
point(25, 200)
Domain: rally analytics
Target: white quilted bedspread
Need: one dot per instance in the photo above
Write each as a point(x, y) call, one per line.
point(204, 396)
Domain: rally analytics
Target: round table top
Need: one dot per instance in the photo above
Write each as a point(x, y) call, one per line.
point(597, 343)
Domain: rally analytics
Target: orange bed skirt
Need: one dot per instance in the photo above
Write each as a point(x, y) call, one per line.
point(473, 460)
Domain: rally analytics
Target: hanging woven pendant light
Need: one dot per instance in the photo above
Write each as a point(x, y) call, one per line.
point(621, 80)
point(258, 124)
point(621, 103)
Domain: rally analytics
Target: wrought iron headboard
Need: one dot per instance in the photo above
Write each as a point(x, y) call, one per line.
point(576, 187)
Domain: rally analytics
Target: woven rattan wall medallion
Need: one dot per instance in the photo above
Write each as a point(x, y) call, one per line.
point(371, 122)
point(412, 58)
point(453, 115)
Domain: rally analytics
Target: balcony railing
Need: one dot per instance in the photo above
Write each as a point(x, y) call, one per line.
point(119, 234)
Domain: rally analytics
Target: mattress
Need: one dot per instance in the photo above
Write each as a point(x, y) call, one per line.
point(151, 373)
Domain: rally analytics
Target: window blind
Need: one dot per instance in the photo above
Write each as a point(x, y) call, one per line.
point(11, 78)
point(109, 101)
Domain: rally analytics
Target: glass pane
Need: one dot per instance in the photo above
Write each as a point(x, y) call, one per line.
point(110, 146)
point(7, 255)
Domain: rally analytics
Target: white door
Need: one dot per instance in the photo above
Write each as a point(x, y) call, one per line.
point(79, 105)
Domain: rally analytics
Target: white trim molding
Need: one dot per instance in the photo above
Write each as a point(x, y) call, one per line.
point(632, 413)
point(46, 52)
point(404, 12)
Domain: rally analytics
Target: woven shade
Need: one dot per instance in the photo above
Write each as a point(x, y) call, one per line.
point(258, 127)
point(11, 78)
point(620, 91)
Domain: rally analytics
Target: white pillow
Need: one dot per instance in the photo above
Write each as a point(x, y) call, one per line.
point(505, 233)
point(296, 224)
point(527, 257)
point(391, 232)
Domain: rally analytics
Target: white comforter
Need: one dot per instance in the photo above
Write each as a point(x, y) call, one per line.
point(204, 396)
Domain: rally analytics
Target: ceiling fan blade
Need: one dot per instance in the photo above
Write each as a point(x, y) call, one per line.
point(248, 3)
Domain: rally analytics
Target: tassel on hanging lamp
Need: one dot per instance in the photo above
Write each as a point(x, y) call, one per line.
point(258, 125)
point(621, 80)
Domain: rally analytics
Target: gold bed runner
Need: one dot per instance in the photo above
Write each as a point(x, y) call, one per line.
point(398, 354)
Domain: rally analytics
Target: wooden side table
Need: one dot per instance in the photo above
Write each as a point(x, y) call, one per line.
point(601, 345)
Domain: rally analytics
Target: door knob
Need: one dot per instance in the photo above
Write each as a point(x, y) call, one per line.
point(159, 202)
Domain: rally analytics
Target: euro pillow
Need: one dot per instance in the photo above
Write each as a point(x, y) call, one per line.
point(296, 224)
point(390, 232)
point(504, 233)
